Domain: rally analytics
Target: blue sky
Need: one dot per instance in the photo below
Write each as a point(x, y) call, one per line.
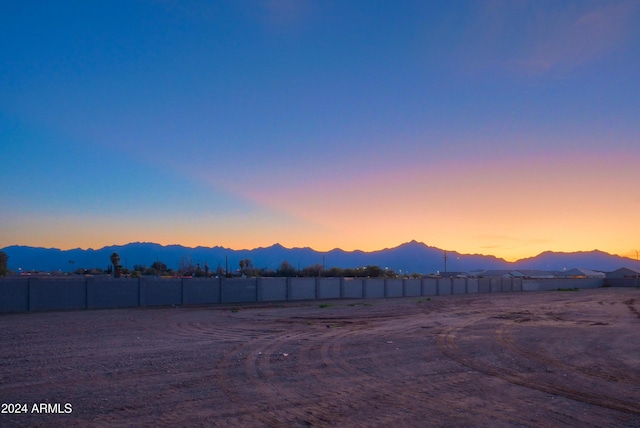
point(496, 127)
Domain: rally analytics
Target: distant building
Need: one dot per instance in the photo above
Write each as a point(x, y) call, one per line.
point(623, 273)
point(496, 273)
point(456, 275)
point(532, 273)
point(520, 273)
point(580, 273)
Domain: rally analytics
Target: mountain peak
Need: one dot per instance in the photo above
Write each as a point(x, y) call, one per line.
point(413, 243)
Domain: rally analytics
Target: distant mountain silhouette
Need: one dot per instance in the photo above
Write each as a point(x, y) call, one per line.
point(409, 257)
point(594, 260)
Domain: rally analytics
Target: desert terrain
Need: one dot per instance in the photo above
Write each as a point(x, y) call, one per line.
point(527, 359)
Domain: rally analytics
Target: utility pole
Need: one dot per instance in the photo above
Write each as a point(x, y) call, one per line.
point(445, 264)
point(637, 268)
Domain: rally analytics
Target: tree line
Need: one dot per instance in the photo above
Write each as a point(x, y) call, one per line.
point(188, 268)
point(246, 269)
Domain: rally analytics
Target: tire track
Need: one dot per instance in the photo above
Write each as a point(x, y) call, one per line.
point(631, 305)
point(403, 387)
point(505, 338)
point(258, 367)
point(447, 342)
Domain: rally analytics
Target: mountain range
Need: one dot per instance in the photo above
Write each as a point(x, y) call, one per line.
point(409, 257)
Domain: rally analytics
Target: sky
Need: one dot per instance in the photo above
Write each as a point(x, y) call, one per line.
point(502, 127)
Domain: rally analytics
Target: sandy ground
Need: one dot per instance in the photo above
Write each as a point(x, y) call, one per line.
point(521, 359)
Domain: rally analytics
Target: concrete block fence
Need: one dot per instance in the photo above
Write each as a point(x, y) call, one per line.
point(31, 294)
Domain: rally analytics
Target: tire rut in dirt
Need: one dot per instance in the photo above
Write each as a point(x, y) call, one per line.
point(452, 341)
point(416, 381)
point(254, 376)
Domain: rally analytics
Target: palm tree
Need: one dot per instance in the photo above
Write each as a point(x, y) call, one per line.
point(244, 265)
point(115, 261)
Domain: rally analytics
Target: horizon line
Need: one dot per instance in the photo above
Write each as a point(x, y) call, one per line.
point(413, 241)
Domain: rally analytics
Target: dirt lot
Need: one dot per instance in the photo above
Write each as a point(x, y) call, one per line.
point(522, 359)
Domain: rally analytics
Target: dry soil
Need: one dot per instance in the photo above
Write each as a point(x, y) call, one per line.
point(516, 359)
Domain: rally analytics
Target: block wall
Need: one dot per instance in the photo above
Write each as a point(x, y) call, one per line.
point(412, 287)
point(51, 294)
point(444, 286)
point(272, 289)
point(106, 292)
point(19, 294)
point(352, 288)
point(622, 282)
point(484, 285)
point(429, 286)
point(15, 295)
point(459, 286)
point(394, 287)
point(373, 288)
point(160, 291)
point(473, 285)
point(197, 291)
point(302, 288)
point(556, 283)
point(238, 290)
point(328, 288)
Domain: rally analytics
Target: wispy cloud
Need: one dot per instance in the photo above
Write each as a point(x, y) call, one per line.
point(569, 40)
point(532, 37)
